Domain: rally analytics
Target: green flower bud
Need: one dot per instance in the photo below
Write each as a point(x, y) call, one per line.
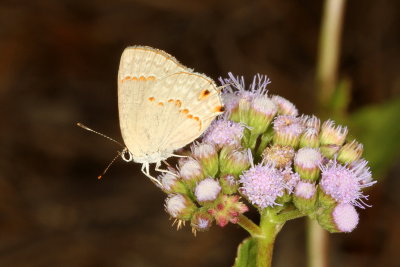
point(233, 161)
point(201, 220)
point(324, 200)
point(309, 138)
point(229, 184)
point(305, 197)
point(172, 184)
point(207, 155)
point(306, 163)
point(339, 218)
point(180, 207)
point(329, 150)
point(260, 115)
point(350, 152)
point(191, 172)
point(331, 134)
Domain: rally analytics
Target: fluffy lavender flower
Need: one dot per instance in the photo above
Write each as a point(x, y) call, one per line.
point(207, 190)
point(262, 185)
point(224, 132)
point(343, 184)
point(361, 169)
point(285, 107)
point(345, 217)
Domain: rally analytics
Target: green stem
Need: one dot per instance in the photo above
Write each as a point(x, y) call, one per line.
point(265, 243)
point(249, 226)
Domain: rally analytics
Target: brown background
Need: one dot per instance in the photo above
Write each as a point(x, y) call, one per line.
point(58, 65)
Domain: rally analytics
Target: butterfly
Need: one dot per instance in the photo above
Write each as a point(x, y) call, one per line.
point(162, 105)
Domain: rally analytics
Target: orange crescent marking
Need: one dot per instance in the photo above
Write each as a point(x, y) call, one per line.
point(185, 111)
point(151, 99)
point(160, 103)
point(178, 103)
point(170, 100)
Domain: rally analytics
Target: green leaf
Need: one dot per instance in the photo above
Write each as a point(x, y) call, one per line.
point(378, 128)
point(246, 253)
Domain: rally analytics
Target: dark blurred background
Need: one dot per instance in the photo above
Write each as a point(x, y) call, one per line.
point(58, 66)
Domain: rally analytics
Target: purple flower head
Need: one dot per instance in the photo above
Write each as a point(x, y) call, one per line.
point(223, 132)
point(361, 169)
point(285, 107)
point(262, 185)
point(235, 89)
point(345, 217)
point(305, 190)
point(343, 184)
point(288, 124)
point(265, 106)
point(207, 190)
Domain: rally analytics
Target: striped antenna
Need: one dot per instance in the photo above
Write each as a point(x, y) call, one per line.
point(93, 131)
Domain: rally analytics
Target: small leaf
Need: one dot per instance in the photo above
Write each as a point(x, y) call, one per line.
point(246, 253)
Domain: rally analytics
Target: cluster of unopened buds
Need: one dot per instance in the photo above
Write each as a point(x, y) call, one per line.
point(262, 153)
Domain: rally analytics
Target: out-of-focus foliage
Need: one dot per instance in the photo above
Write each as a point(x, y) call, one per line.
point(378, 128)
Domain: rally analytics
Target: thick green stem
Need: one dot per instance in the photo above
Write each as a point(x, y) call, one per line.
point(249, 226)
point(265, 243)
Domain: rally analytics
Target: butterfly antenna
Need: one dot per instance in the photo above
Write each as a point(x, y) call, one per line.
point(109, 165)
point(93, 131)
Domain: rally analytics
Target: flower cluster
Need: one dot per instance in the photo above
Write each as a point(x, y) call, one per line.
point(263, 153)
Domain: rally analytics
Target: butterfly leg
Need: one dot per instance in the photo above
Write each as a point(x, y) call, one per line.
point(145, 171)
point(158, 165)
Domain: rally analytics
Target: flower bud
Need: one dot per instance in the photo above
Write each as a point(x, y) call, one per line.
point(309, 138)
point(329, 151)
point(306, 163)
point(244, 110)
point(229, 184)
point(231, 104)
point(285, 107)
point(233, 161)
point(201, 220)
point(261, 113)
point(350, 152)
point(279, 156)
point(287, 130)
point(311, 122)
point(207, 155)
point(207, 191)
point(305, 196)
point(191, 171)
point(227, 210)
point(180, 207)
point(340, 218)
point(172, 184)
point(331, 134)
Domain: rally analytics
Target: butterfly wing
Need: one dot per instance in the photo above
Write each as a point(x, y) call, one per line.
point(140, 67)
point(162, 105)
